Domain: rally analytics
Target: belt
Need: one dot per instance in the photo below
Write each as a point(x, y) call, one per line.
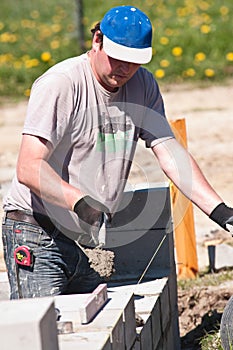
point(35, 219)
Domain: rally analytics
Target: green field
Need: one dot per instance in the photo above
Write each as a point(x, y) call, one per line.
point(192, 39)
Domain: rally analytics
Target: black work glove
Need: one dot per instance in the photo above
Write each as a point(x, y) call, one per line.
point(222, 215)
point(91, 216)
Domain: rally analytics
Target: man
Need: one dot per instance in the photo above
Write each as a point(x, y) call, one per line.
point(84, 118)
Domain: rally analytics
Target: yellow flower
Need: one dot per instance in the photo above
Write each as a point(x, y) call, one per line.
point(206, 18)
point(55, 44)
point(182, 11)
point(27, 92)
point(164, 40)
point(17, 65)
point(25, 58)
point(85, 21)
point(203, 5)
point(200, 56)
point(209, 72)
point(56, 28)
point(205, 29)
point(164, 63)
point(177, 51)
point(8, 37)
point(35, 14)
point(159, 73)
point(150, 2)
point(190, 72)
point(8, 57)
point(27, 23)
point(224, 10)
point(169, 31)
point(229, 56)
point(45, 56)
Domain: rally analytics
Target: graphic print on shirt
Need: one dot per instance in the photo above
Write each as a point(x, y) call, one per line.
point(114, 133)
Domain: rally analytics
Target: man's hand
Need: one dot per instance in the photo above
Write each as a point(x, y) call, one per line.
point(91, 216)
point(223, 216)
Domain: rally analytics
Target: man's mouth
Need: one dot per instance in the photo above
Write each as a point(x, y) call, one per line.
point(119, 76)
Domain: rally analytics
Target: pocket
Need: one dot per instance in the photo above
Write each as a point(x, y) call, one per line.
point(26, 234)
point(48, 240)
point(32, 235)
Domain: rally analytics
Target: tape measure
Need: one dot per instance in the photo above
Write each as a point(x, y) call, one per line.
point(23, 255)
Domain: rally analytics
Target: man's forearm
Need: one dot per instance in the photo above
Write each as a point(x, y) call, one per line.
point(47, 184)
point(183, 171)
point(203, 194)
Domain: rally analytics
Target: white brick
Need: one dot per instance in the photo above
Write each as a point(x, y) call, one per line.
point(85, 341)
point(145, 304)
point(145, 288)
point(69, 307)
point(28, 324)
point(110, 321)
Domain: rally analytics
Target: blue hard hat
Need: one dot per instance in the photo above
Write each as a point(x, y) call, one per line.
point(127, 34)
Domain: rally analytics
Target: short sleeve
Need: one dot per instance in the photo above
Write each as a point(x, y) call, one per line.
point(154, 125)
point(50, 107)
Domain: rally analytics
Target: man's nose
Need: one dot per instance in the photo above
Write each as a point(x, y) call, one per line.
point(125, 67)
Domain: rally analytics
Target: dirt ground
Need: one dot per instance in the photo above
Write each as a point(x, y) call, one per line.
point(208, 113)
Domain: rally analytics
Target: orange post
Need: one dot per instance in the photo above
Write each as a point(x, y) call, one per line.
point(182, 209)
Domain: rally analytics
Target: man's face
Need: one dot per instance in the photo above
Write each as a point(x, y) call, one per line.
point(110, 73)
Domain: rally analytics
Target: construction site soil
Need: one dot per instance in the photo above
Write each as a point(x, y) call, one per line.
point(208, 113)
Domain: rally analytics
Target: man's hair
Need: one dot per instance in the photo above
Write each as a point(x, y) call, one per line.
point(99, 33)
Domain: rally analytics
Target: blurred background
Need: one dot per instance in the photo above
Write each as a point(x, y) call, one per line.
point(192, 40)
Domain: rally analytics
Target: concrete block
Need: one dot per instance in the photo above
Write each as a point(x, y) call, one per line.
point(124, 300)
point(139, 226)
point(136, 345)
point(4, 286)
point(93, 303)
point(69, 307)
point(110, 321)
point(172, 286)
point(156, 327)
point(28, 324)
point(169, 341)
point(137, 209)
point(129, 266)
point(85, 341)
point(223, 256)
point(165, 308)
point(145, 335)
point(154, 287)
point(145, 304)
point(149, 306)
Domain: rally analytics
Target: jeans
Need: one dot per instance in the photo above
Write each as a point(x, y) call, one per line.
point(59, 265)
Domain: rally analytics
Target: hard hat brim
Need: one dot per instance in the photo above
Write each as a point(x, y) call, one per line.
point(125, 53)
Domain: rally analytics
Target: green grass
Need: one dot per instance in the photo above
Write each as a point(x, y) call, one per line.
point(207, 279)
point(211, 341)
point(192, 39)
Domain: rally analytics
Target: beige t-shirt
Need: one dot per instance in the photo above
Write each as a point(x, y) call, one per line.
point(93, 132)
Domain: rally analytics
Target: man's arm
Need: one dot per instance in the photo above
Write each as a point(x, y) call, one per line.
point(34, 172)
point(179, 166)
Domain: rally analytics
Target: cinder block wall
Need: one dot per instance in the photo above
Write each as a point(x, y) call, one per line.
point(142, 228)
point(141, 235)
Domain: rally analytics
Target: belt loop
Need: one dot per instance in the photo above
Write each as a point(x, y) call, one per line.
point(4, 218)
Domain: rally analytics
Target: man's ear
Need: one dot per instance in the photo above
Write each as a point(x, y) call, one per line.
point(96, 41)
